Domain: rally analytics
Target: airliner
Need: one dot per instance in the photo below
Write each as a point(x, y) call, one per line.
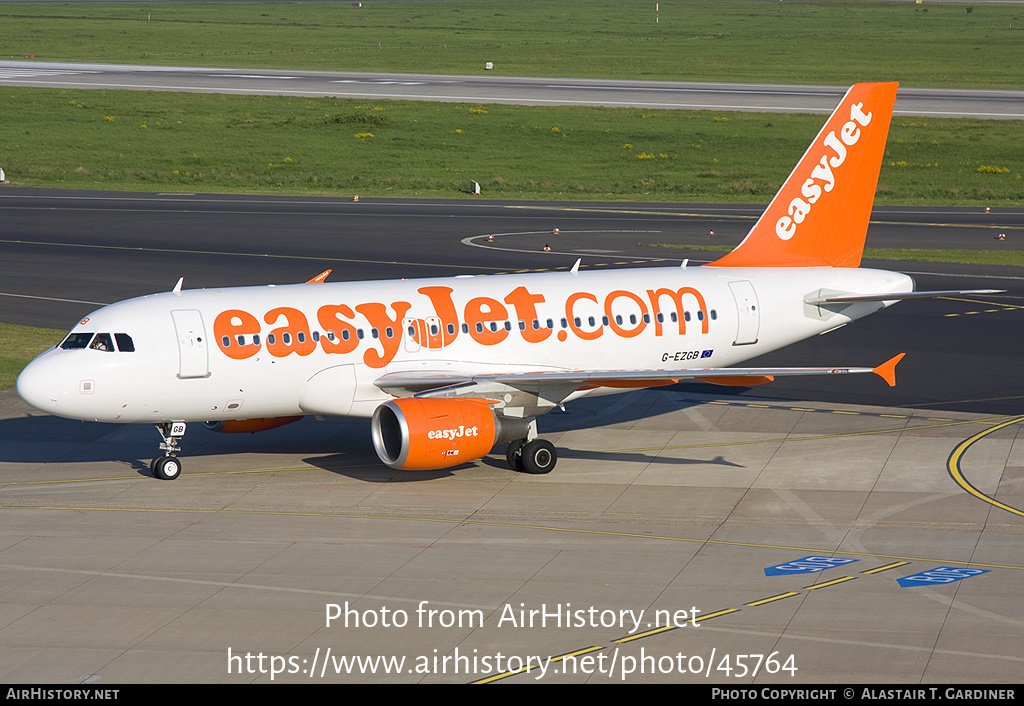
point(449, 368)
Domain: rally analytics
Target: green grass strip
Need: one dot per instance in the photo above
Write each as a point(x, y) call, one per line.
point(961, 257)
point(164, 141)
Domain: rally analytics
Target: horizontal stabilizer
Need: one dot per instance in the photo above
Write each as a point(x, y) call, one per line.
point(894, 296)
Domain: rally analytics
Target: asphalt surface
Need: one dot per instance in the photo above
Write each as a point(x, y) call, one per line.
point(680, 500)
point(683, 538)
point(495, 88)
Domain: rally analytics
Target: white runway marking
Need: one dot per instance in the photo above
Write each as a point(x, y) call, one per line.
point(6, 73)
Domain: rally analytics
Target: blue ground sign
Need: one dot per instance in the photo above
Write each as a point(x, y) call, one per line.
point(807, 565)
point(939, 576)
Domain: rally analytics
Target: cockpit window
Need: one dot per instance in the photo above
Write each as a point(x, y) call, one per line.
point(102, 342)
point(99, 342)
point(124, 343)
point(76, 340)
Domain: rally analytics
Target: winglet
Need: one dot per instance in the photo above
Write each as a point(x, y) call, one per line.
point(177, 287)
point(319, 278)
point(887, 370)
point(819, 218)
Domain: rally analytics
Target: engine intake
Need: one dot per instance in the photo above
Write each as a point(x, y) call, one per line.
point(429, 434)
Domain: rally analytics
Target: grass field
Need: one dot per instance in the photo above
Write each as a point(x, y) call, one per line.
point(19, 345)
point(214, 143)
point(189, 142)
point(935, 44)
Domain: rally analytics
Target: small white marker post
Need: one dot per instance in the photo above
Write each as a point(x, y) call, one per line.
point(3, 177)
point(474, 187)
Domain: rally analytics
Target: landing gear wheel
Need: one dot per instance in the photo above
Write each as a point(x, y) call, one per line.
point(513, 454)
point(166, 467)
point(538, 456)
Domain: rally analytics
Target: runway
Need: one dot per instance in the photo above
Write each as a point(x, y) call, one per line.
point(812, 535)
point(495, 88)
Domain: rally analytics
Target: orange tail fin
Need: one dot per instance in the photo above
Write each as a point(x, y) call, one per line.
point(820, 215)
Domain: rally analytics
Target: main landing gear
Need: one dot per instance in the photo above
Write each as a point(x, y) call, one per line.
point(535, 456)
point(168, 467)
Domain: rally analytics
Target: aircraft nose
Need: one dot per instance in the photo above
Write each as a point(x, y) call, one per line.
point(39, 385)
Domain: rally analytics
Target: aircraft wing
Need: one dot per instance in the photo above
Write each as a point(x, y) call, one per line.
point(538, 392)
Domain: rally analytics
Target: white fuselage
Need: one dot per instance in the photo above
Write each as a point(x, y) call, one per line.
point(274, 351)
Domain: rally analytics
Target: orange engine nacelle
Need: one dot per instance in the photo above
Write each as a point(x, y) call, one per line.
point(241, 426)
point(428, 434)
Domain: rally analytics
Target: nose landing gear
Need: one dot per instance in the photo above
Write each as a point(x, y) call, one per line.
point(168, 467)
